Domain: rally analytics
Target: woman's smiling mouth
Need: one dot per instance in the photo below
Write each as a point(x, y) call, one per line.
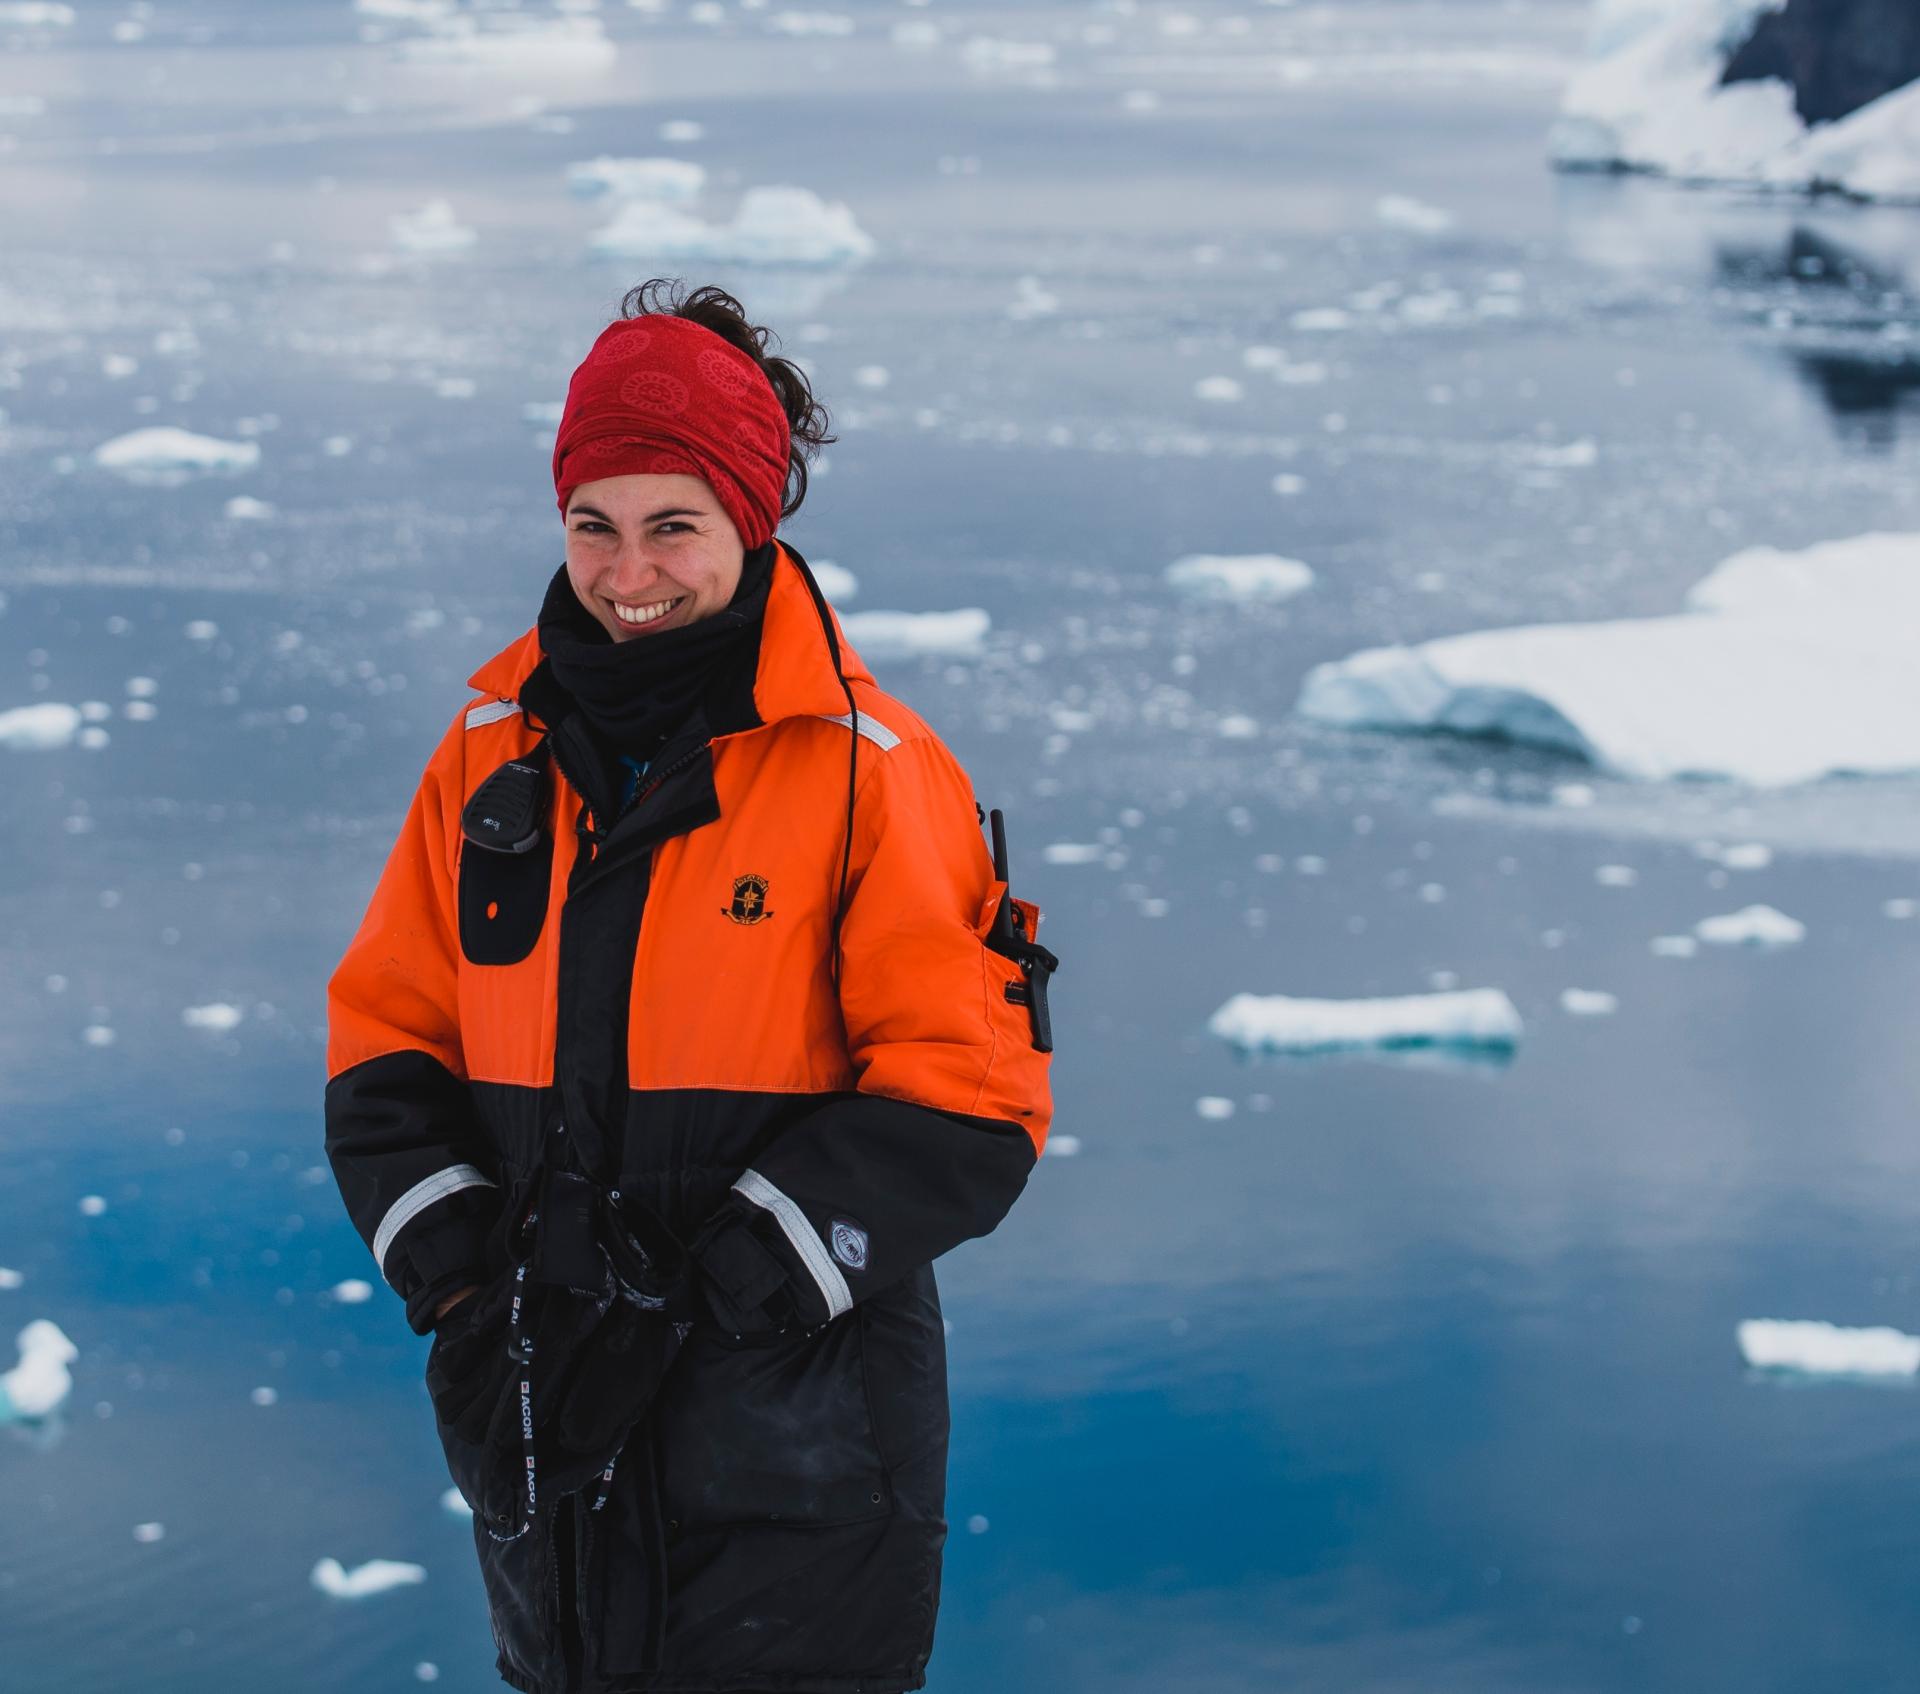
point(637, 617)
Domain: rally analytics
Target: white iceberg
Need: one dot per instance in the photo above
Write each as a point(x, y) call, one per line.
point(376, 1576)
point(1788, 667)
point(637, 179)
point(432, 229)
point(162, 456)
point(1280, 1023)
point(1751, 926)
point(899, 635)
point(1823, 1349)
point(1651, 99)
point(1243, 577)
point(773, 226)
point(38, 729)
point(36, 1387)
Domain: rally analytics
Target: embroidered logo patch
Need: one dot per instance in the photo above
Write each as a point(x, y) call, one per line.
point(849, 1244)
point(749, 900)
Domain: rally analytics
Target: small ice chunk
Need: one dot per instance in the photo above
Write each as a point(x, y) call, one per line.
point(352, 1292)
point(637, 179)
point(1214, 1107)
point(1062, 1146)
point(1751, 926)
point(426, 1671)
point(201, 629)
point(431, 229)
point(810, 23)
point(1279, 1023)
point(149, 1533)
point(454, 1504)
point(1746, 856)
point(36, 1387)
point(376, 1576)
point(162, 456)
point(1588, 1002)
point(1321, 319)
point(680, 131)
point(836, 581)
point(977, 1525)
point(1674, 946)
point(897, 635)
point(243, 508)
point(1241, 577)
point(1566, 456)
point(1823, 1349)
point(1032, 299)
point(37, 14)
point(1401, 211)
point(264, 1396)
point(1900, 907)
point(216, 1016)
point(38, 729)
point(1219, 388)
point(1073, 853)
point(1616, 876)
point(1572, 794)
point(873, 376)
point(10, 1278)
point(990, 55)
point(92, 1205)
point(773, 226)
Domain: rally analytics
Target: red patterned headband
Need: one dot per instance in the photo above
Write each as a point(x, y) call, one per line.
point(661, 395)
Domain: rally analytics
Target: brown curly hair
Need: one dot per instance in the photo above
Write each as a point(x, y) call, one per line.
point(715, 309)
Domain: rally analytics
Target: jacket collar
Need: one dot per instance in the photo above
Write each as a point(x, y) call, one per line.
point(794, 678)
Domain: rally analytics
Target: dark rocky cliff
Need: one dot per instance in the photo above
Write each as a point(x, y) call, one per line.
point(1836, 54)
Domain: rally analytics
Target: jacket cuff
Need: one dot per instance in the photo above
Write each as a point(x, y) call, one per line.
point(440, 1259)
point(745, 1282)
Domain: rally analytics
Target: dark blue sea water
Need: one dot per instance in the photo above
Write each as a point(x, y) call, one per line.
point(1399, 1377)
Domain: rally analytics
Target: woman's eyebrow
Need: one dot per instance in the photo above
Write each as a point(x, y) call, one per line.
point(651, 517)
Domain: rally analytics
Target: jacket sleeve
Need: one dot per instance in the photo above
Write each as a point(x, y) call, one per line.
point(951, 1104)
point(401, 1134)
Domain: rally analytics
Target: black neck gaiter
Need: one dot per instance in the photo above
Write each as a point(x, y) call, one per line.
point(635, 693)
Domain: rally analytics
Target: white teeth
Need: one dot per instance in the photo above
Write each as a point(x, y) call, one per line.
point(645, 614)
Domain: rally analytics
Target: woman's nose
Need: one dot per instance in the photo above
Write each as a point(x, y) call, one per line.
point(632, 571)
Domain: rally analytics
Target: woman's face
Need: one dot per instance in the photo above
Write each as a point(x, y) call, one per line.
point(647, 553)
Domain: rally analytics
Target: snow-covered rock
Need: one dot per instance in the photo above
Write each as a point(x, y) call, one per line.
point(895, 635)
point(637, 179)
point(376, 1576)
point(1655, 97)
point(773, 226)
point(36, 1387)
point(1788, 667)
point(1244, 577)
point(1823, 1349)
point(163, 456)
point(1280, 1023)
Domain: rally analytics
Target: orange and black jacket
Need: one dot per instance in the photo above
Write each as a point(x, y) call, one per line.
point(763, 997)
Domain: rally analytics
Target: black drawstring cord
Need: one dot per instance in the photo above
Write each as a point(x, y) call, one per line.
point(853, 752)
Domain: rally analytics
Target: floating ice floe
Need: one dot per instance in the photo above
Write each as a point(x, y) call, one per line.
point(810, 23)
point(896, 635)
point(432, 229)
point(10, 1278)
point(990, 55)
point(1588, 1002)
point(408, 11)
point(1787, 667)
point(148, 1533)
point(36, 1387)
point(504, 41)
point(162, 456)
point(1278, 1023)
point(36, 14)
point(1823, 1349)
point(454, 1504)
point(38, 729)
point(376, 1576)
point(217, 1017)
point(352, 1292)
point(1402, 212)
point(1652, 99)
point(1062, 1146)
point(1674, 946)
point(243, 508)
point(1242, 577)
point(773, 226)
point(1751, 926)
point(637, 179)
point(1216, 1108)
point(1073, 853)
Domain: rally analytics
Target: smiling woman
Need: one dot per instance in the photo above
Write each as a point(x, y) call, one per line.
point(689, 1024)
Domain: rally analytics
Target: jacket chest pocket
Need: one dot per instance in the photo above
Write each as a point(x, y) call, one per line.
point(503, 901)
point(774, 1431)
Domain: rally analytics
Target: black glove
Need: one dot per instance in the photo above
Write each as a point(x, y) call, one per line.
point(740, 1283)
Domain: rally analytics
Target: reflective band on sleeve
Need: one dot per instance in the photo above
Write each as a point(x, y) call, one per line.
point(417, 1199)
point(877, 733)
point(812, 1250)
point(491, 712)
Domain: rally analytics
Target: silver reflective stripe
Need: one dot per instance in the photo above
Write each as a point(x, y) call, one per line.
point(812, 1250)
point(877, 733)
point(417, 1199)
point(492, 712)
